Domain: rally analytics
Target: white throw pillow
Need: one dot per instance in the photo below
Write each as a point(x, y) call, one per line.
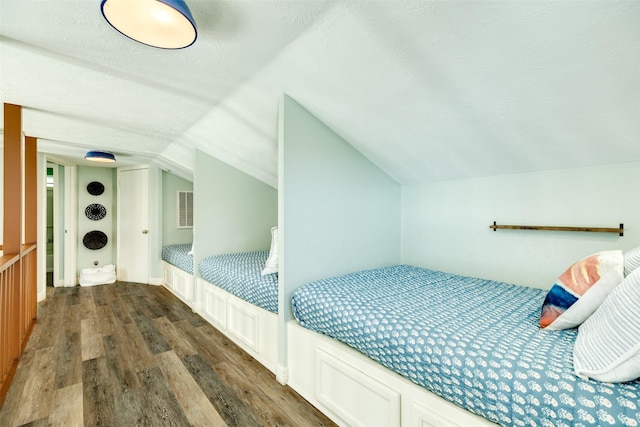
point(579, 291)
point(631, 260)
point(608, 344)
point(271, 266)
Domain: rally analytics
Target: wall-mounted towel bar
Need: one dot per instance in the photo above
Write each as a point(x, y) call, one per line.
point(619, 230)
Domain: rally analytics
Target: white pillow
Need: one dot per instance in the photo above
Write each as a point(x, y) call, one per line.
point(271, 266)
point(191, 251)
point(608, 344)
point(631, 260)
point(579, 291)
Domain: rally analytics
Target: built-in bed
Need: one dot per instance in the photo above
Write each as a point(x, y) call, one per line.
point(242, 302)
point(177, 262)
point(406, 335)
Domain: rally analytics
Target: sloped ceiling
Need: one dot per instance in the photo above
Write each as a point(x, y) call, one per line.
point(428, 90)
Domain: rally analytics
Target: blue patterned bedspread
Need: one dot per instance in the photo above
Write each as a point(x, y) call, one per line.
point(178, 255)
point(474, 342)
point(240, 275)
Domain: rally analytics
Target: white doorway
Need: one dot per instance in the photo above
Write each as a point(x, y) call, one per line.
point(59, 223)
point(133, 225)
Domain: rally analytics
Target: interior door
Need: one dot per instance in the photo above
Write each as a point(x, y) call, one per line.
point(133, 225)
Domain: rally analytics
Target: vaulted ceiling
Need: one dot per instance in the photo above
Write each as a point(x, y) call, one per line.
point(428, 90)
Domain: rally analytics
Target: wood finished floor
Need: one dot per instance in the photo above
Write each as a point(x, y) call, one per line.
point(134, 355)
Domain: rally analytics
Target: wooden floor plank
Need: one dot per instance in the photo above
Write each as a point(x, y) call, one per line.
point(43, 422)
point(72, 296)
point(180, 310)
point(131, 339)
point(207, 350)
point(49, 326)
point(289, 401)
point(252, 397)
point(242, 359)
point(35, 399)
point(195, 405)
point(221, 394)
point(128, 354)
point(12, 399)
point(151, 335)
point(66, 407)
point(121, 364)
point(107, 322)
point(87, 304)
point(98, 394)
point(176, 341)
point(120, 310)
point(161, 405)
point(68, 346)
point(91, 339)
point(134, 305)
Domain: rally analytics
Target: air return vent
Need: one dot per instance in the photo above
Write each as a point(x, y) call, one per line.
point(185, 209)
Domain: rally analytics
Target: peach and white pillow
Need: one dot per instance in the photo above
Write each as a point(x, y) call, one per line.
point(581, 289)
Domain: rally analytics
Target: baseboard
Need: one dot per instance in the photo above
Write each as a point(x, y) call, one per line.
point(282, 374)
point(42, 296)
point(155, 281)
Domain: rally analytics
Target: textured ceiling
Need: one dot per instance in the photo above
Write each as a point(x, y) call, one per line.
point(428, 90)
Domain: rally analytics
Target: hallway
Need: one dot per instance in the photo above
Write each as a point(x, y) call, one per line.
point(129, 354)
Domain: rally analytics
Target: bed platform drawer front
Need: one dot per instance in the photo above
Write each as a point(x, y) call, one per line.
point(424, 417)
point(168, 275)
point(183, 286)
point(355, 397)
point(243, 324)
point(215, 305)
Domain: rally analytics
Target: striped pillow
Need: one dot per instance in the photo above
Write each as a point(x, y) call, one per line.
point(580, 290)
point(608, 344)
point(631, 260)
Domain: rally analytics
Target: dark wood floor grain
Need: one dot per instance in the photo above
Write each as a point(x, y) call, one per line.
point(128, 354)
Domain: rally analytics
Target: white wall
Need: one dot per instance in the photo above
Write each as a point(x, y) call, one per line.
point(171, 234)
point(155, 223)
point(233, 212)
point(106, 255)
point(445, 224)
point(338, 212)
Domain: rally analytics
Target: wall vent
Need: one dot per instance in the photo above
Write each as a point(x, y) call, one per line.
point(185, 209)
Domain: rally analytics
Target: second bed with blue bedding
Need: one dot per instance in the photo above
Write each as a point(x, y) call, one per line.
point(474, 342)
point(178, 256)
point(240, 275)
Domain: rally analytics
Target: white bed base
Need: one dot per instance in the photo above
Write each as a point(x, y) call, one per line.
point(252, 328)
point(353, 390)
point(179, 282)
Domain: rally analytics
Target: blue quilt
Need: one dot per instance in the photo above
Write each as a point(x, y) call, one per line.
point(240, 275)
point(474, 342)
point(178, 255)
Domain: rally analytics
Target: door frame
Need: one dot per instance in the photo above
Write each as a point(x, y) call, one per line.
point(68, 232)
point(119, 237)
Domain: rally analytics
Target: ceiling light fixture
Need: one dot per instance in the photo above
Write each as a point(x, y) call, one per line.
point(167, 24)
point(100, 156)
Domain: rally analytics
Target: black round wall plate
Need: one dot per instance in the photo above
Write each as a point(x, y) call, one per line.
point(95, 240)
point(95, 211)
point(95, 188)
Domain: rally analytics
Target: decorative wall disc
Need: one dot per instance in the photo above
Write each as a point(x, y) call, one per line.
point(95, 188)
point(95, 211)
point(95, 240)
